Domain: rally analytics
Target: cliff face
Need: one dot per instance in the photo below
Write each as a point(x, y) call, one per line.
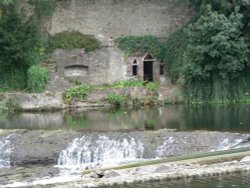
point(115, 18)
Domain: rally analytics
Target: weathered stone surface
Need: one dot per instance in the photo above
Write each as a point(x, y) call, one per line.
point(245, 159)
point(43, 147)
point(93, 175)
point(163, 168)
point(39, 147)
point(114, 18)
point(102, 66)
point(111, 174)
point(38, 101)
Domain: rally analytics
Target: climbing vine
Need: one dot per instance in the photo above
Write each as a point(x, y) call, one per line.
point(132, 44)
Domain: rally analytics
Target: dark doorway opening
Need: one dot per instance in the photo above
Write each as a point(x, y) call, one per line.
point(148, 69)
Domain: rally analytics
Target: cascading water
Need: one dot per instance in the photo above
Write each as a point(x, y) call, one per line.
point(88, 151)
point(5, 150)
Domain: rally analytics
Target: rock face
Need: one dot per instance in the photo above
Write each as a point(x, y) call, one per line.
point(114, 18)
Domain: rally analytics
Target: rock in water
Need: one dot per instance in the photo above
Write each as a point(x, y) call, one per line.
point(163, 168)
point(111, 174)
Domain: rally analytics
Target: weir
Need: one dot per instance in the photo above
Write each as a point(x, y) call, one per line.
point(88, 151)
point(5, 150)
point(92, 151)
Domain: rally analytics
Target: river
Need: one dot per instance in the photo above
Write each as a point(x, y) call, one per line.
point(86, 139)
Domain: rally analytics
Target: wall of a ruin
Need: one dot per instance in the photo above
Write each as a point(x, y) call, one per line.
point(115, 18)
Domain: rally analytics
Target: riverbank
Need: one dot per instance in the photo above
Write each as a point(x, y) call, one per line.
point(96, 99)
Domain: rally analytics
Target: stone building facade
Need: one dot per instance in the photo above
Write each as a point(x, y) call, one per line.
point(144, 67)
point(103, 66)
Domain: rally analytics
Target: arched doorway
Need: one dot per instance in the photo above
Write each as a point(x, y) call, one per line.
point(148, 68)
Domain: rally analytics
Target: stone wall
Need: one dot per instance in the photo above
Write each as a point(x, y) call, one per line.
point(114, 18)
point(102, 66)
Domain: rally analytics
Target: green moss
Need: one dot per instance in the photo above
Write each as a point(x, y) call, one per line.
point(73, 39)
point(144, 44)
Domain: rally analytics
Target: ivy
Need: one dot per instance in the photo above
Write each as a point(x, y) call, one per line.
point(144, 44)
point(37, 79)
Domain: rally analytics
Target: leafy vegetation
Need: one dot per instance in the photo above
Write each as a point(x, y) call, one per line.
point(128, 83)
point(37, 79)
point(80, 91)
point(212, 52)
point(116, 100)
point(20, 47)
point(132, 44)
point(73, 39)
point(172, 52)
point(7, 105)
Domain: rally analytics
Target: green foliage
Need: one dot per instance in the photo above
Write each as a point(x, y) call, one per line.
point(216, 46)
point(44, 8)
point(37, 79)
point(9, 106)
point(116, 100)
point(174, 47)
point(20, 47)
point(152, 86)
point(216, 57)
point(128, 83)
point(12, 78)
point(80, 91)
point(132, 44)
point(73, 39)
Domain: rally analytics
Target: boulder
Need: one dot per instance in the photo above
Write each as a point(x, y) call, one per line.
point(111, 174)
point(163, 169)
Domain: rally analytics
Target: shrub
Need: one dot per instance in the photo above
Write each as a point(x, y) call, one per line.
point(152, 86)
point(116, 100)
point(9, 106)
point(73, 39)
point(80, 91)
point(37, 78)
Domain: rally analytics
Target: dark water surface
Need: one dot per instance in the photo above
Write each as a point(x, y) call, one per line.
point(231, 118)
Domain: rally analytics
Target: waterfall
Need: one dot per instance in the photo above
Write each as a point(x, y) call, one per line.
point(90, 151)
point(5, 150)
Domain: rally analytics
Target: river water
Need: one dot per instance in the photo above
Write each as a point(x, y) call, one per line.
point(225, 118)
point(106, 136)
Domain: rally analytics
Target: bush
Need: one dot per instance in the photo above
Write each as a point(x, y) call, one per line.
point(116, 100)
point(80, 91)
point(37, 78)
point(152, 86)
point(73, 39)
point(9, 106)
point(216, 56)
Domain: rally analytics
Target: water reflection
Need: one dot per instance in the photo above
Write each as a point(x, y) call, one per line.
point(201, 117)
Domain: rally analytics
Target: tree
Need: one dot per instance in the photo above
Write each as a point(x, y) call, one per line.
point(20, 46)
point(216, 46)
point(216, 61)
